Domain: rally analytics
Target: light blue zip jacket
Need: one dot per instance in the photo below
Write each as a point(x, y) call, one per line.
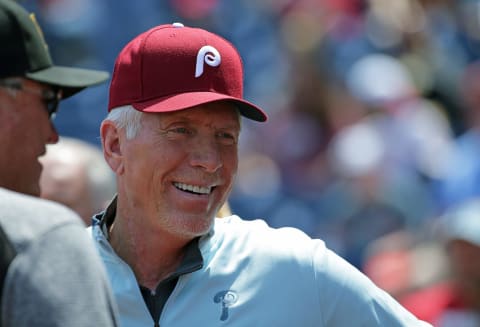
point(254, 275)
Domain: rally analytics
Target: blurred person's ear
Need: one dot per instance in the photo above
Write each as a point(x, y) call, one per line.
point(112, 152)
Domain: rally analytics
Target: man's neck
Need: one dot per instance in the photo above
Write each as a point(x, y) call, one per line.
point(152, 256)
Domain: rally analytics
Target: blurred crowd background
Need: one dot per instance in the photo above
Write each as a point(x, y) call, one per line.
point(373, 136)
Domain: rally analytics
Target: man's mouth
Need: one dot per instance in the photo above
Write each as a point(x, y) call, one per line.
point(194, 189)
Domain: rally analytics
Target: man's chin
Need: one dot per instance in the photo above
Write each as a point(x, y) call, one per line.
point(199, 226)
point(32, 190)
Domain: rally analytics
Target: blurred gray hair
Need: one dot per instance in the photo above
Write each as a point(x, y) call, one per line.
point(126, 117)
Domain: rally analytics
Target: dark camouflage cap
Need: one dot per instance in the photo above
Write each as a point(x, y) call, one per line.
point(24, 52)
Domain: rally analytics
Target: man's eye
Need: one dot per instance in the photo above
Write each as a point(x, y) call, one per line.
point(227, 138)
point(180, 130)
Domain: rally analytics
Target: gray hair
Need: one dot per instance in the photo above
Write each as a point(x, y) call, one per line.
point(126, 117)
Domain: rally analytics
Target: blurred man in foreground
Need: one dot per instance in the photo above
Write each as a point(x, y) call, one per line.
point(50, 273)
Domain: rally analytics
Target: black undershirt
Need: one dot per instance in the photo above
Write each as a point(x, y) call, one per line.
point(155, 301)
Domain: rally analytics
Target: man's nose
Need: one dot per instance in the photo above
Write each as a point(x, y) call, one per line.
point(53, 135)
point(207, 155)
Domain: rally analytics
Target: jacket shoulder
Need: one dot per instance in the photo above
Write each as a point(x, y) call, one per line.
point(25, 217)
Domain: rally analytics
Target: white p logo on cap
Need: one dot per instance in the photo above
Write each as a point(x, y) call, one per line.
point(209, 55)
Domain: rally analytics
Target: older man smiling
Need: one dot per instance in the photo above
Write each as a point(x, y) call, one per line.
point(171, 137)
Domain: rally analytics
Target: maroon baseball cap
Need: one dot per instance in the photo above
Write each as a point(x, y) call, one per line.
point(173, 67)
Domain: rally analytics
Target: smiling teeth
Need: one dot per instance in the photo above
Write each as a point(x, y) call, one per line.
point(193, 188)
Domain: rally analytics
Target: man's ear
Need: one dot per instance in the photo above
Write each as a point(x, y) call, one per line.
point(111, 144)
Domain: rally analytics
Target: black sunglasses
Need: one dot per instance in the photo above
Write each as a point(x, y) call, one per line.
point(51, 97)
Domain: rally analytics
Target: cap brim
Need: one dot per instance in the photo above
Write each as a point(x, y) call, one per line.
point(70, 80)
point(192, 99)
